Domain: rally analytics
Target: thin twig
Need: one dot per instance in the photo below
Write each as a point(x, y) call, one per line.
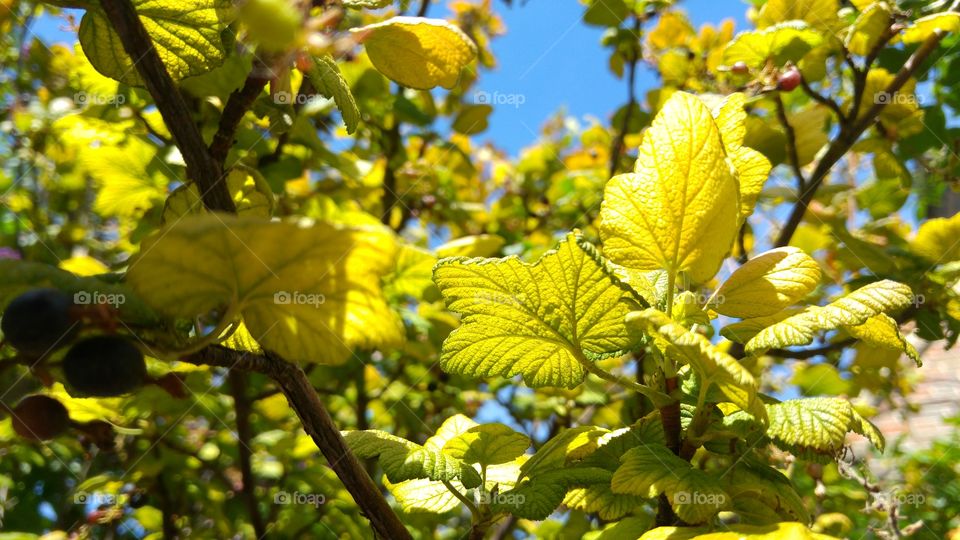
point(617, 149)
point(791, 140)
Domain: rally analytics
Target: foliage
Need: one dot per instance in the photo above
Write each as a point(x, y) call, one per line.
point(302, 246)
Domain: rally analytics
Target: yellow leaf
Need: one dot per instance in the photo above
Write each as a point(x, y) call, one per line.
point(869, 27)
point(783, 42)
point(817, 13)
point(753, 168)
point(938, 240)
point(418, 52)
point(810, 131)
point(480, 245)
point(309, 292)
point(883, 331)
point(924, 27)
point(84, 265)
point(679, 210)
point(768, 283)
point(672, 30)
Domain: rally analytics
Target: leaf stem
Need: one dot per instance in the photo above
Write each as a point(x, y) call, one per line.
point(658, 398)
point(463, 498)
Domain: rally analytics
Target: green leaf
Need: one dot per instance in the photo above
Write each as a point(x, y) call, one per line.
point(884, 332)
point(326, 78)
point(555, 452)
point(775, 531)
point(601, 500)
point(767, 284)
point(649, 470)
point(488, 444)
point(535, 320)
point(250, 192)
point(418, 52)
point(480, 245)
point(413, 275)
point(404, 460)
point(816, 428)
point(925, 27)
point(756, 482)
point(186, 35)
point(309, 292)
point(131, 177)
point(537, 497)
point(781, 43)
point(365, 4)
point(472, 119)
point(712, 365)
point(853, 309)
point(679, 210)
point(820, 14)
point(743, 331)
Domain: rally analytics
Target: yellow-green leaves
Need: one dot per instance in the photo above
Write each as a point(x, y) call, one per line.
point(781, 43)
point(753, 168)
point(814, 428)
point(820, 14)
point(535, 320)
point(925, 27)
point(186, 34)
point(404, 460)
point(938, 240)
point(679, 210)
point(487, 444)
point(713, 366)
point(853, 309)
point(326, 78)
point(775, 531)
point(768, 283)
point(417, 52)
point(652, 469)
point(869, 28)
point(306, 292)
point(883, 331)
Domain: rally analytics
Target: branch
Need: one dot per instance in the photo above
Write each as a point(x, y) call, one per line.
point(791, 139)
point(811, 353)
point(237, 106)
point(241, 406)
point(850, 133)
point(617, 149)
point(823, 100)
point(318, 424)
point(201, 167)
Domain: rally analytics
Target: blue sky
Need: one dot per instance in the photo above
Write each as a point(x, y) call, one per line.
point(549, 57)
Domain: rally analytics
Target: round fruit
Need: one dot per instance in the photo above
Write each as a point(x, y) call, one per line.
point(740, 68)
point(37, 321)
point(789, 79)
point(40, 418)
point(105, 366)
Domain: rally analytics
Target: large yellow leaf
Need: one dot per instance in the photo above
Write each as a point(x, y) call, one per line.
point(753, 168)
point(781, 43)
point(883, 331)
point(768, 283)
point(679, 210)
point(817, 13)
point(418, 52)
point(774, 531)
point(535, 320)
point(309, 292)
point(810, 131)
point(869, 28)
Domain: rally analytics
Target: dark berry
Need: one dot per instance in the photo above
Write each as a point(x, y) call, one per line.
point(789, 79)
point(38, 321)
point(105, 366)
point(740, 68)
point(40, 418)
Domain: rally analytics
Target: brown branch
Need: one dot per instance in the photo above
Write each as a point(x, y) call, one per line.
point(618, 147)
point(241, 405)
point(822, 99)
point(321, 428)
point(237, 106)
point(201, 168)
point(804, 354)
point(791, 140)
point(849, 133)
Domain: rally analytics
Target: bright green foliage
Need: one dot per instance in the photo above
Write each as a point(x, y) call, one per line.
point(487, 444)
point(768, 283)
point(780, 43)
point(517, 319)
point(305, 291)
point(186, 34)
point(403, 460)
point(816, 428)
point(327, 79)
point(650, 470)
